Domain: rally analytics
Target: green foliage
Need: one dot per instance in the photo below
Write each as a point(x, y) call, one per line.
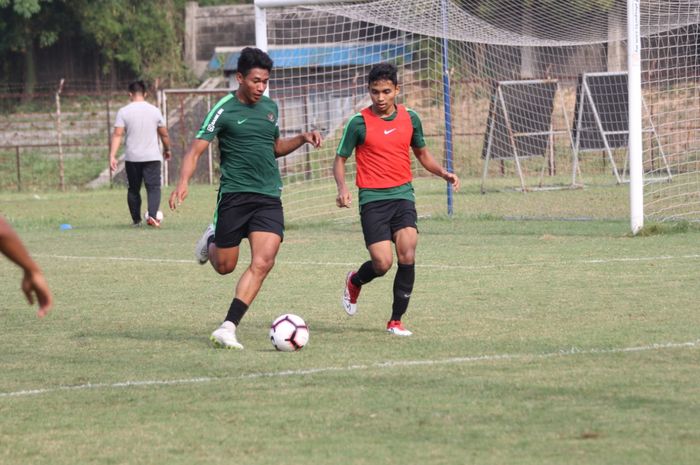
point(25, 22)
point(143, 34)
point(24, 8)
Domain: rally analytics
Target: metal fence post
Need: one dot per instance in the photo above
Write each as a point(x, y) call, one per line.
point(19, 175)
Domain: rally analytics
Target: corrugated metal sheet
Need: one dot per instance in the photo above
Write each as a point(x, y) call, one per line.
point(320, 56)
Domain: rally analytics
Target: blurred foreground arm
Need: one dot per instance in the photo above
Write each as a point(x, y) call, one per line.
point(33, 282)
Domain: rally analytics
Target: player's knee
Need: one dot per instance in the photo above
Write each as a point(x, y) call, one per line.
point(381, 266)
point(224, 268)
point(262, 265)
point(407, 257)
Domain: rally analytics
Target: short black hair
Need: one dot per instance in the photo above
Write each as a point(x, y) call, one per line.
point(137, 87)
point(253, 58)
point(383, 72)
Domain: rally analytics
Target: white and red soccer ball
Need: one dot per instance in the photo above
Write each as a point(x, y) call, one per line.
point(289, 333)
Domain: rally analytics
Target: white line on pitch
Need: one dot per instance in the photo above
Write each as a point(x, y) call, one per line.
point(379, 365)
point(595, 261)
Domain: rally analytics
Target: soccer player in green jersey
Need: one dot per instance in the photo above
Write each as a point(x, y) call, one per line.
point(248, 205)
point(381, 136)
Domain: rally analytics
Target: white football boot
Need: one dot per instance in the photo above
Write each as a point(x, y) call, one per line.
point(201, 249)
point(224, 337)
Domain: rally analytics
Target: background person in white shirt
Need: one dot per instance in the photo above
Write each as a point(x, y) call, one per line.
point(142, 123)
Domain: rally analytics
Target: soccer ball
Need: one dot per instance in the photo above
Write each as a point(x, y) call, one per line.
point(289, 333)
point(159, 216)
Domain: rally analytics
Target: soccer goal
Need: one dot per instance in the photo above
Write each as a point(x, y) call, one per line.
point(452, 55)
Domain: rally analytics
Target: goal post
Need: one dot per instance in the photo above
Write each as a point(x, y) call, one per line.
point(451, 54)
point(634, 82)
point(261, 42)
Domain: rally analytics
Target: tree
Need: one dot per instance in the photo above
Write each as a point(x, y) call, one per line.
point(26, 25)
point(143, 34)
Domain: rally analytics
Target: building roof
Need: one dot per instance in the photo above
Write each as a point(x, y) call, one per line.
point(330, 55)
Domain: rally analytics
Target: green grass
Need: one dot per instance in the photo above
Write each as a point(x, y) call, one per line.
point(40, 171)
point(519, 354)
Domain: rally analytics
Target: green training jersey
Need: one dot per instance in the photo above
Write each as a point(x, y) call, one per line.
point(354, 135)
point(247, 135)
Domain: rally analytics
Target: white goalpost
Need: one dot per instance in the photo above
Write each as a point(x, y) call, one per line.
point(473, 68)
point(634, 82)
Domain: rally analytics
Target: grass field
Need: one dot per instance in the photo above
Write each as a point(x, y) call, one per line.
point(535, 342)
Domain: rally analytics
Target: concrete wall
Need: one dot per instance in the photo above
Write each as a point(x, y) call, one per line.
point(215, 26)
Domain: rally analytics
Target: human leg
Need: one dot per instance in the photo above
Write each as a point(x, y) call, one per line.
point(261, 220)
point(134, 178)
point(263, 249)
point(220, 242)
point(377, 234)
point(152, 180)
point(377, 266)
point(406, 240)
point(224, 260)
point(405, 236)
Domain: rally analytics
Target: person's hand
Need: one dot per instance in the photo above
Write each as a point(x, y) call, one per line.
point(34, 284)
point(313, 138)
point(178, 196)
point(452, 179)
point(344, 199)
point(113, 163)
point(167, 154)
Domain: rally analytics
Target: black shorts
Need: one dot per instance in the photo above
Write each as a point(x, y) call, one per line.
point(381, 219)
point(240, 213)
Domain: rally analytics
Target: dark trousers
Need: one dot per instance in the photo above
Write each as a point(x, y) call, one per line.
point(147, 172)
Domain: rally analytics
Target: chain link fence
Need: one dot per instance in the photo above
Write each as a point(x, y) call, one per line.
point(58, 136)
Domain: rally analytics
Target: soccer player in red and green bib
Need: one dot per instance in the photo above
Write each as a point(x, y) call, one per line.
point(381, 136)
point(248, 206)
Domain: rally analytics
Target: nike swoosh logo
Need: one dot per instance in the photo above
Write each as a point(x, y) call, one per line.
point(241, 121)
point(389, 131)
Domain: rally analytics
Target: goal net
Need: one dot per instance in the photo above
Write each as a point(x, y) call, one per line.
point(512, 94)
point(670, 67)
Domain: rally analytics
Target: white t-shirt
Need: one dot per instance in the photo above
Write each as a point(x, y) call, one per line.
point(140, 121)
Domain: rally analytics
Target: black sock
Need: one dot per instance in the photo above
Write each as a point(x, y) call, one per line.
point(236, 311)
point(403, 286)
point(364, 275)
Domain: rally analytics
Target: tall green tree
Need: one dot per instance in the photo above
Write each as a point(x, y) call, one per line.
point(25, 26)
point(145, 35)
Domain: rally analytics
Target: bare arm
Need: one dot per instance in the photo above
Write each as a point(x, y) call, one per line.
point(428, 161)
point(286, 146)
point(189, 164)
point(165, 139)
point(116, 141)
point(343, 199)
point(33, 282)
